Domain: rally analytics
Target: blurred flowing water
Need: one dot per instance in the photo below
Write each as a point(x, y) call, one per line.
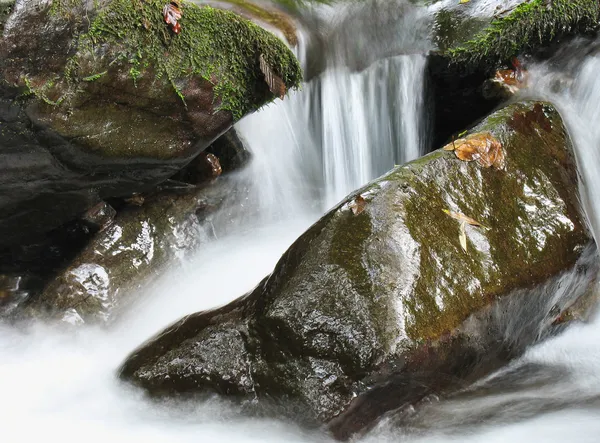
point(362, 111)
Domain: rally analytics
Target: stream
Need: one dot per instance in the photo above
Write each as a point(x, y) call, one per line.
point(349, 124)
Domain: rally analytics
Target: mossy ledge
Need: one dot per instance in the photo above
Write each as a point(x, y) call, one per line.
point(528, 25)
point(216, 45)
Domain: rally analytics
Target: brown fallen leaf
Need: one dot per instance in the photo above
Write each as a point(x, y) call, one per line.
point(358, 205)
point(172, 13)
point(482, 147)
point(462, 237)
point(276, 84)
point(462, 218)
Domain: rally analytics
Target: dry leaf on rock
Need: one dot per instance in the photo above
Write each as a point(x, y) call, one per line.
point(462, 218)
point(358, 205)
point(464, 221)
point(482, 147)
point(276, 84)
point(172, 13)
point(462, 237)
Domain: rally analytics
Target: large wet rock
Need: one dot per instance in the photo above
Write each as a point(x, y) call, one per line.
point(102, 98)
point(378, 304)
point(476, 38)
point(128, 254)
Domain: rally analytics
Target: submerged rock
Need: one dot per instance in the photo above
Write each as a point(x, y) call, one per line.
point(395, 293)
point(102, 99)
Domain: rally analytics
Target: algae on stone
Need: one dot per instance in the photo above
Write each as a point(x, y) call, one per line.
point(216, 45)
point(528, 26)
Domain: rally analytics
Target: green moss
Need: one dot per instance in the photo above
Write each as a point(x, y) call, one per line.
point(347, 246)
point(465, 282)
point(216, 45)
point(453, 26)
point(42, 92)
point(94, 77)
point(528, 25)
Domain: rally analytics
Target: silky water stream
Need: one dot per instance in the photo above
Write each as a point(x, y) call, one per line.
point(349, 124)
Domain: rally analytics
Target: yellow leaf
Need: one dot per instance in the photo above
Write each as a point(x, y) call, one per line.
point(463, 1)
point(462, 237)
point(462, 218)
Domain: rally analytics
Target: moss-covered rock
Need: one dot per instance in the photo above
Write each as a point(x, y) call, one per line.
point(476, 38)
point(473, 34)
point(378, 304)
point(100, 98)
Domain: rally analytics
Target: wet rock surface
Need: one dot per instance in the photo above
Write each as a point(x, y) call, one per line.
point(388, 298)
point(111, 104)
point(127, 254)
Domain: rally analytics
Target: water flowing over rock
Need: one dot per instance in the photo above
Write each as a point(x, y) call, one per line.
point(396, 293)
point(114, 102)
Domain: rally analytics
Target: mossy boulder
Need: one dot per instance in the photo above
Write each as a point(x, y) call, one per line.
point(127, 255)
point(101, 98)
point(476, 38)
point(378, 305)
point(491, 32)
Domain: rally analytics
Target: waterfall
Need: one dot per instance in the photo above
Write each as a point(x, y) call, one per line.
point(371, 120)
point(349, 124)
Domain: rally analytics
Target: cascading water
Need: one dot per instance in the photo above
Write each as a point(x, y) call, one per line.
point(371, 121)
point(350, 123)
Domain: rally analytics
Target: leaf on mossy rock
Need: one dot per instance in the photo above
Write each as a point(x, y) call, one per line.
point(482, 147)
point(276, 84)
point(358, 205)
point(172, 13)
point(462, 218)
point(462, 237)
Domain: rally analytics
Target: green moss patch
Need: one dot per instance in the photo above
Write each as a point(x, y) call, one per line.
point(216, 45)
point(530, 24)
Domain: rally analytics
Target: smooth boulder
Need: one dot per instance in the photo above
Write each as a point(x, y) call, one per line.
point(381, 302)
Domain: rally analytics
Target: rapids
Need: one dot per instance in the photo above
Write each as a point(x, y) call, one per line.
point(347, 125)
